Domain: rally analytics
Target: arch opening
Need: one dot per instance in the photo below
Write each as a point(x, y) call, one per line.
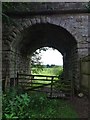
point(47, 61)
point(43, 35)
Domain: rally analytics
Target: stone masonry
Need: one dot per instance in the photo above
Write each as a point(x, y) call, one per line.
point(63, 26)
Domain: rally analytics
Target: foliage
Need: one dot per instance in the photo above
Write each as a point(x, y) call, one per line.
point(35, 105)
point(56, 70)
point(37, 69)
point(88, 6)
point(15, 104)
point(36, 56)
point(61, 86)
point(16, 107)
point(8, 5)
point(52, 71)
point(5, 7)
point(35, 60)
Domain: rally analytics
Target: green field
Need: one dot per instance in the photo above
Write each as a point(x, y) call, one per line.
point(54, 71)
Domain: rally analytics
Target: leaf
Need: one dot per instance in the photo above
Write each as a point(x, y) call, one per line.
point(9, 115)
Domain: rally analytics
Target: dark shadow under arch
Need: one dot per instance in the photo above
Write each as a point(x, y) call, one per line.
point(41, 35)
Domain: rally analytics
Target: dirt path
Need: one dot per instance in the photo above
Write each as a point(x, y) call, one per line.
point(81, 106)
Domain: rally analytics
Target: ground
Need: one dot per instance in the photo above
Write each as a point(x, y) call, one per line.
point(81, 106)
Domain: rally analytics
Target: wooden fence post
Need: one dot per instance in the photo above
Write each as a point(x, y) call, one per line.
point(51, 86)
point(80, 82)
point(32, 78)
point(17, 78)
point(72, 89)
point(3, 85)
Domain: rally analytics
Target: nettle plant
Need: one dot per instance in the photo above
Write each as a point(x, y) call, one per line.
point(15, 107)
point(21, 105)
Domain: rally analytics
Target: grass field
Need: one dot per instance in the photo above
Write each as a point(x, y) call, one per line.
point(54, 71)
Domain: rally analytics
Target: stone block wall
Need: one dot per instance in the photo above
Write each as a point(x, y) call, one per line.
point(47, 6)
point(71, 68)
point(85, 74)
point(12, 63)
point(76, 24)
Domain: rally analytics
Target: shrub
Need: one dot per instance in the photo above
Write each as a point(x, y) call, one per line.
point(15, 107)
point(34, 105)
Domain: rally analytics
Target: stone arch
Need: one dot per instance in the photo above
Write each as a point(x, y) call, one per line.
point(70, 57)
point(16, 30)
point(25, 23)
point(15, 38)
point(36, 24)
point(71, 20)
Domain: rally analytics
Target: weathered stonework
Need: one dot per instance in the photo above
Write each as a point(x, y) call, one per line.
point(66, 32)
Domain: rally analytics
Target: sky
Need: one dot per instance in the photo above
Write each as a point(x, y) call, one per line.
point(52, 57)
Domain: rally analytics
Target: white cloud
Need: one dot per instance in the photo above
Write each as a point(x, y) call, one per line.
point(52, 57)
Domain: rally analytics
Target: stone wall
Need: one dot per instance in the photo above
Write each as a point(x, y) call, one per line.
point(85, 74)
point(47, 6)
point(13, 63)
point(75, 24)
point(71, 68)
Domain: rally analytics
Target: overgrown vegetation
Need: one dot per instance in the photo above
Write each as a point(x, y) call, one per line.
point(48, 71)
point(36, 57)
point(35, 105)
point(88, 6)
point(55, 70)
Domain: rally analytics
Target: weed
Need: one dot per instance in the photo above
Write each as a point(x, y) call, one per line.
point(35, 105)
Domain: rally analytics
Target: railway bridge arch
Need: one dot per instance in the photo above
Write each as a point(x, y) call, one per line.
point(49, 24)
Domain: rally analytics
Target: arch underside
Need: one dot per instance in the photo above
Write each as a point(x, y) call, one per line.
point(49, 35)
point(44, 35)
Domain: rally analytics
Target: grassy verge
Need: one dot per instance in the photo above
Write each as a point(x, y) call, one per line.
point(35, 105)
point(57, 70)
point(53, 108)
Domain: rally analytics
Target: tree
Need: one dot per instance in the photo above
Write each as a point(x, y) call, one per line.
point(36, 56)
point(35, 60)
